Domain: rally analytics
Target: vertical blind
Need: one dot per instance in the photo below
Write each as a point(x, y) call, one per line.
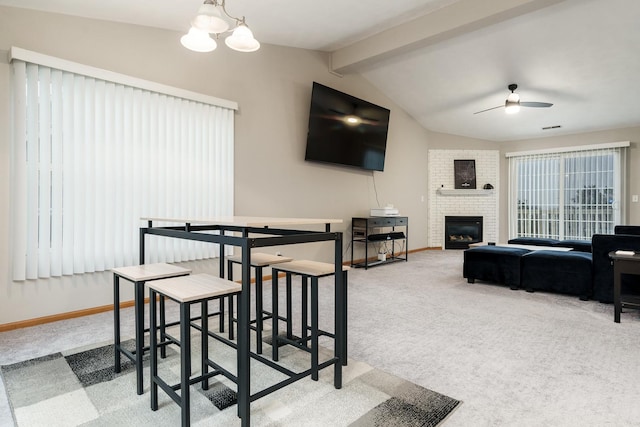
point(566, 195)
point(91, 156)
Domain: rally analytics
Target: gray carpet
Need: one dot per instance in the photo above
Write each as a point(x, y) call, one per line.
point(513, 358)
point(80, 388)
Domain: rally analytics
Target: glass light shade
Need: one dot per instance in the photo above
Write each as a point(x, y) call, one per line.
point(209, 19)
point(198, 41)
point(512, 107)
point(242, 40)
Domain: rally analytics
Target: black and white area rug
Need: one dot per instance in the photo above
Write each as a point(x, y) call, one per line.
point(80, 388)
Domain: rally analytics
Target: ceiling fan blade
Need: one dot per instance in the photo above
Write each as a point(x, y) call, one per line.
point(535, 104)
point(489, 109)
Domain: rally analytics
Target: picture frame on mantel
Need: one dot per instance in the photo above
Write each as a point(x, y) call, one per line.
point(464, 174)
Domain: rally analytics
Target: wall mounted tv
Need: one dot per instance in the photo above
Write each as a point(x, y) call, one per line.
point(346, 130)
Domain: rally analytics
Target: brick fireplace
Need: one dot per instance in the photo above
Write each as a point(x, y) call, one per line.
point(446, 201)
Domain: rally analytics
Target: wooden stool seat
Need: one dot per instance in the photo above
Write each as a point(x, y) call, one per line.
point(138, 275)
point(309, 270)
point(146, 272)
point(187, 290)
point(259, 261)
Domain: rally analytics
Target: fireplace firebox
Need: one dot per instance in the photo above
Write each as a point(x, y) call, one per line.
point(460, 231)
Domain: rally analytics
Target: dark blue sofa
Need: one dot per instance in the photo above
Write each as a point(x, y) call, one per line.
point(550, 271)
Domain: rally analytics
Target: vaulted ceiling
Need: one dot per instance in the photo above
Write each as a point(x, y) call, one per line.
point(444, 60)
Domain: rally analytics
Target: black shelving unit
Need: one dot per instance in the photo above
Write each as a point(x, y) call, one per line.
point(375, 231)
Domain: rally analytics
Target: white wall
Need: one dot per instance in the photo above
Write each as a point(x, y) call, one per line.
point(273, 89)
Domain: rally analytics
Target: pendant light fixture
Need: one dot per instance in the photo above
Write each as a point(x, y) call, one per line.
point(212, 19)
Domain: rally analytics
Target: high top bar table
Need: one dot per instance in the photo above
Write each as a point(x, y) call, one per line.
point(248, 233)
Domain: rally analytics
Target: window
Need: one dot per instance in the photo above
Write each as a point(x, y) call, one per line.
point(568, 194)
point(92, 155)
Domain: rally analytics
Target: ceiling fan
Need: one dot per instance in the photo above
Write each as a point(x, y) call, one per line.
point(512, 104)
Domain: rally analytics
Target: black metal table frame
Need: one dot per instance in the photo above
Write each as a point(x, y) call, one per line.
point(247, 241)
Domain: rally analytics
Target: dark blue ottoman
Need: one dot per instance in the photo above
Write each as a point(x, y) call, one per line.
point(497, 264)
point(554, 271)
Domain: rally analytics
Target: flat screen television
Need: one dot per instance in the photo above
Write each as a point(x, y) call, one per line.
point(346, 130)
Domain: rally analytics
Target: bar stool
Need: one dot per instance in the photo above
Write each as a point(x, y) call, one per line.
point(259, 260)
point(186, 291)
point(138, 275)
point(309, 270)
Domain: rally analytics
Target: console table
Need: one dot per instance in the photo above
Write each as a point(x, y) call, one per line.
point(623, 263)
point(372, 230)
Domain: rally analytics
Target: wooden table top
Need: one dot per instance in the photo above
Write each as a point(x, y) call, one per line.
point(247, 221)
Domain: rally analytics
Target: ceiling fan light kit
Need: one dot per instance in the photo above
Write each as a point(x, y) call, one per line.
point(512, 104)
point(211, 20)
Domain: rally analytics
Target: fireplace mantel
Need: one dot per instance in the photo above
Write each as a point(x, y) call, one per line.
point(464, 192)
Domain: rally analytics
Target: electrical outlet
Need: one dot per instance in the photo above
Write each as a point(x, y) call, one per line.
point(634, 198)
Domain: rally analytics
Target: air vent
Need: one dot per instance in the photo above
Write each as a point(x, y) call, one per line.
point(552, 127)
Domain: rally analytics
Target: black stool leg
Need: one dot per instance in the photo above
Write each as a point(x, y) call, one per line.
point(163, 328)
point(185, 362)
point(314, 328)
point(204, 336)
point(231, 318)
point(289, 308)
point(139, 322)
point(305, 312)
point(340, 328)
point(259, 310)
point(231, 314)
point(153, 349)
point(222, 314)
point(344, 317)
point(116, 322)
point(274, 315)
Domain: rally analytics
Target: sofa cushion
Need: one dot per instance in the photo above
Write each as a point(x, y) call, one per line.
point(576, 245)
point(564, 272)
point(627, 229)
point(535, 241)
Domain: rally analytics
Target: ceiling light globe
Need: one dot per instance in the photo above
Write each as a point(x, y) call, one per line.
point(513, 97)
point(209, 19)
point(512, 108)
point(242, 40)
point(198, 41)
